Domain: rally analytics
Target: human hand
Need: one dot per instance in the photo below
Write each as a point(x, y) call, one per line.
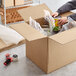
point(55, 14)
point(62, 21)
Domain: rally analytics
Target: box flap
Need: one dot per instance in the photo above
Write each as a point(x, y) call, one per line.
point(27, 31)
point(65, 37)
point(35, 12)
point(4, 46)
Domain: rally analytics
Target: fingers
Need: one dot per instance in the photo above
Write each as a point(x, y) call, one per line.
point(62, 20)
point(52, 15)
point(55, 14)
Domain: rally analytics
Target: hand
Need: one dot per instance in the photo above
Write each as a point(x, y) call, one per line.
point(55, 14)
point(62, 21)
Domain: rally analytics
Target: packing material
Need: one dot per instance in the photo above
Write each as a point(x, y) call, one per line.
point(9, 36)
point(36, 25)
point(4, 46)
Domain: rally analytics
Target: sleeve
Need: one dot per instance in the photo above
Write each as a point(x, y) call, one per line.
point(71, 5)
point(0, 3)
point(73, 16)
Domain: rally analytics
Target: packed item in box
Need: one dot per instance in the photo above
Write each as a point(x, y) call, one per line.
point(52, 26)
point(36, 25)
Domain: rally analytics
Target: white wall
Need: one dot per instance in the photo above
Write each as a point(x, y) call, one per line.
point(54, 4)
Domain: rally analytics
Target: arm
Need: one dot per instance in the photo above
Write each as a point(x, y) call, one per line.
point(64, 20)
point(71, 5)
point(0, 3)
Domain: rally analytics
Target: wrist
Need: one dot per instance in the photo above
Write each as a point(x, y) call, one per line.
point(58, 12)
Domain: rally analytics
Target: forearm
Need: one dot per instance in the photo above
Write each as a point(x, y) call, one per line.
point(73, 16)
point(71, 5)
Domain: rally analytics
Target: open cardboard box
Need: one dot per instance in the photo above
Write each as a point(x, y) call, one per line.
point(4, 47)
point(49, 53)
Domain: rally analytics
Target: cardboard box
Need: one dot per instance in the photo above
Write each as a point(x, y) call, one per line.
point(19, 2)
point(35, 12)
point(4, 47)
point(8, 3)
point(48, 53)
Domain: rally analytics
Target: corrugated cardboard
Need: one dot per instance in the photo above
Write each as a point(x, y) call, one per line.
point(4, 47)
point(35, 12)
point(65, 37)
point(28, 32)
point(19, 2)
point(49, 53)
point(8, 3)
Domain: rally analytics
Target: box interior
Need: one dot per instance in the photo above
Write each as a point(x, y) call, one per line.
point(41, 21)
point(61, 37)
point(38, 15)
point(44, 24)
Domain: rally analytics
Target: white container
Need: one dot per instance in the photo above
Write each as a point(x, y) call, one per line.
point(15, 57)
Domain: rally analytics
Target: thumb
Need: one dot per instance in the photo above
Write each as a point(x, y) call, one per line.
point(55, 15)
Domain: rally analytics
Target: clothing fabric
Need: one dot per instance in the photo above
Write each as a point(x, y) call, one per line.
point(0, 3)
point(71, 5)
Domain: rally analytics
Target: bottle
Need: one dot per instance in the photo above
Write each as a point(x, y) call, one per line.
point(56, 29)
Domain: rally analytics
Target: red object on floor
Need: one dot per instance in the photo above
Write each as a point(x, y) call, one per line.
point(7, 55)
point(7, 62)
